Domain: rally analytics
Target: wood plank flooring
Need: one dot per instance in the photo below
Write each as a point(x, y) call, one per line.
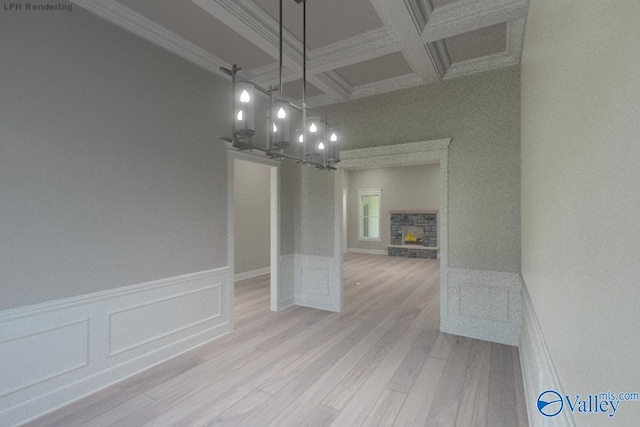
point(381, 362)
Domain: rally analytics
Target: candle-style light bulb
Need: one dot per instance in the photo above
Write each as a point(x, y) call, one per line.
point(240, 115)
point(321, 146)
point(275, 128)
point(282, 114)
point(244, 96)
point(313, 128)
point(301, 138)
point(334, 137)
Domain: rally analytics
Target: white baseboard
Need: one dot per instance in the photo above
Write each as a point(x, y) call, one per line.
point(483, 304)
point(287, 302)
point(368, 251)
point(538, 371)
point(54, 353)
point(252, 273)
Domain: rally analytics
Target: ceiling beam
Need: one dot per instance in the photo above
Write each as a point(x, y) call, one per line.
point(257, 26)
point(401, 19)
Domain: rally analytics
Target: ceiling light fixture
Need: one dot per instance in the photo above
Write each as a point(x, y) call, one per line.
point(311, 149)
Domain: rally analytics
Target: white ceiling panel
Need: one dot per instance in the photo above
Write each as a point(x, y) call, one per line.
point(376, 69)
point(328, 21)
point(356, 48)
point(187, 20)
point(293, 90)
point(475, 44)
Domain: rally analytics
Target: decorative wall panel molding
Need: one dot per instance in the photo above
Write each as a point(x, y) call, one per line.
point(538, 371)
point(484, 304)
point(54, 353)
point(315, 277)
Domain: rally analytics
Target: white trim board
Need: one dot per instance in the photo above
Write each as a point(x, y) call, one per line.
point(251, 274)
point(484, 304)
point(538, 371)
point(368, 251)
point(54, 353)
point(276, 284)
point(315, 282)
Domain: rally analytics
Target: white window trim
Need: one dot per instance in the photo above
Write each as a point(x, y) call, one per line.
point(369, 192)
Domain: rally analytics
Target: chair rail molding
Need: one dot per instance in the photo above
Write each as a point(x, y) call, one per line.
point(54, 353)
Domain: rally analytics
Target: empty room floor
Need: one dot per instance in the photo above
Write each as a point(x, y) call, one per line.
point(382, 361)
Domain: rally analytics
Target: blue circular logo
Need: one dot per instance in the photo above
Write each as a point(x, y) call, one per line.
point(550, 403)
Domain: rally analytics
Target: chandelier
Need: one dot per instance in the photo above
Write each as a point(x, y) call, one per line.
point(315, 141)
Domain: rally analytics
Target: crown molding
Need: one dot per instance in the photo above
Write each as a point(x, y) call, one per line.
point(132, 21)
point(511, 56)
point(420, 11)
point(439, 56)
point(337, 84)
point(416, 30)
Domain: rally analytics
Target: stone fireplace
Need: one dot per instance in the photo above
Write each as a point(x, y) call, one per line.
point(414, 234)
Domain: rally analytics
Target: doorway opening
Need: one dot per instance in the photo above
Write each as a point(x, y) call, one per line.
point(415, 153)
point(253, 232)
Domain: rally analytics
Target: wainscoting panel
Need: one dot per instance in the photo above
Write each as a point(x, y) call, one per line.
point(538, 371)
point(316, 280)
point(54, 353)
point(65, 350)
point(159, 319)
point(484, 305)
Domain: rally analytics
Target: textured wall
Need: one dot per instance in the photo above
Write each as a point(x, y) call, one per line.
point(252, 225)
point(403, 188)
point(580, 198)
point(314, 220)
point(289, 203)
point(110, 167)
point(482, 115)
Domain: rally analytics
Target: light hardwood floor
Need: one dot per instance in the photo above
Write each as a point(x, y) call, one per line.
point(382, 362)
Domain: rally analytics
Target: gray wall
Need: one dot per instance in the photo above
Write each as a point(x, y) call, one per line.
point(403, 188)
point(252, 224)
point(289, 202)
point(482, 115)
point(111, 169)
point(580, 197)
point(315, 217)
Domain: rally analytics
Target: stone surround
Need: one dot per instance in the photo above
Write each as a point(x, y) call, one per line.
point(427, 220)
point(409, 252)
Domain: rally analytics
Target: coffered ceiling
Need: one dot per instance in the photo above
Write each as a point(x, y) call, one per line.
point(355, 48)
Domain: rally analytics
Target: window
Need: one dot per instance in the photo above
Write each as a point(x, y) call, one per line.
point(369, 214)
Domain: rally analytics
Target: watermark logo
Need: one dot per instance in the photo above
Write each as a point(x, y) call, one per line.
point(550, 403)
